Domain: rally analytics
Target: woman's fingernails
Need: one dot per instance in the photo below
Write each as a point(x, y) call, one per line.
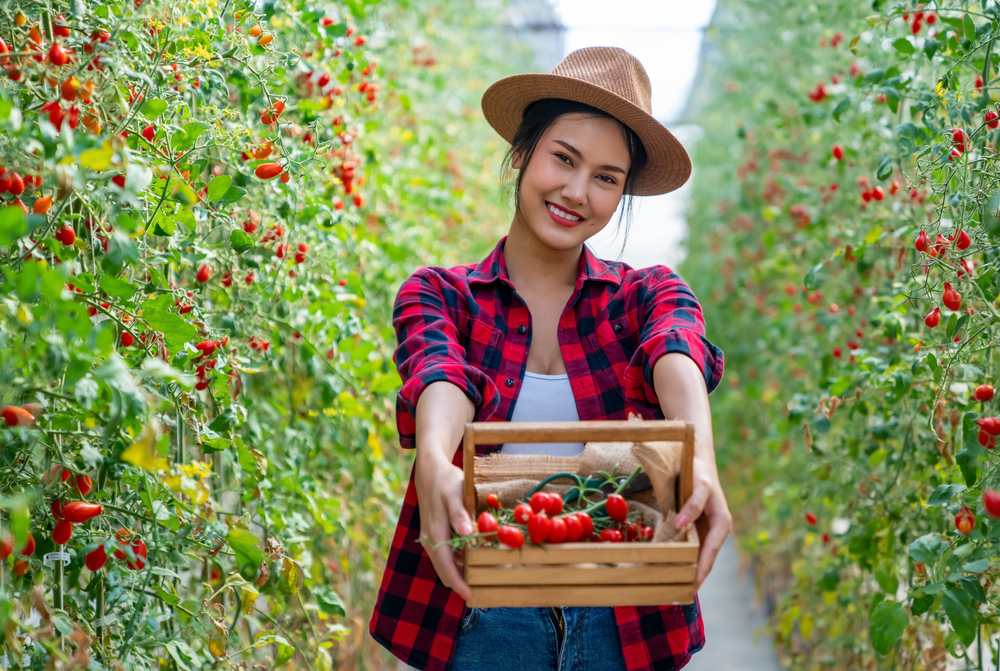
point(681, 521)
point(466, 529)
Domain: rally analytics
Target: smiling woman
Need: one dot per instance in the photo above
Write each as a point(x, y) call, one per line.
point(544, 321)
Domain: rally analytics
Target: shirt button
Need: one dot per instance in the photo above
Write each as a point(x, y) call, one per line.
point(617, 328)
point(522, 329)
point(511, 382)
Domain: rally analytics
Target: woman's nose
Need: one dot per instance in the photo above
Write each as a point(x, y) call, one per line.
point(575, 189)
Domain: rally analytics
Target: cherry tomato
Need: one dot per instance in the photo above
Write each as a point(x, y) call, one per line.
point(539, 528)
point(29, 546)
point(611, 536)
point(493, 501)
point(487, 523)
point(811, 519)
point(984, 392)
point(6, 546)
point(617, 507)
point(646, 533)
point(96, 559)
point(79, 512)
point(510, 536)
point(539, 501)
point(21, 567)
point(586, 524)
point(57, 509)
point(555, 505)
point(558, 532)
point(632, 532)
point(523, 513)
point(965, 521)
point(62, 533)
point(574, 530)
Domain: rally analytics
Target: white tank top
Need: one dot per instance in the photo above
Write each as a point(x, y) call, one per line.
point(545, 398)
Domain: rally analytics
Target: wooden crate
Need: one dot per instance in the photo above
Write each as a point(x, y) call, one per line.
point(582, 574)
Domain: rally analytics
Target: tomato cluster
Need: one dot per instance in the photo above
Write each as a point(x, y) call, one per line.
point(544, 520)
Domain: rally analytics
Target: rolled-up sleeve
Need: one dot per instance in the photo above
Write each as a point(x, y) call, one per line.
point(671, 321)
point(429, 351)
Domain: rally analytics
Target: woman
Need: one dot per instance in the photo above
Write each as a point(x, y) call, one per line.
point(542, 318)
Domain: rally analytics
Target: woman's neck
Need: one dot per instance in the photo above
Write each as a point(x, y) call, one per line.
point(531, 263)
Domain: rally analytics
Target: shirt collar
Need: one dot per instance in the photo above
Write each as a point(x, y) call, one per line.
point(494, 268)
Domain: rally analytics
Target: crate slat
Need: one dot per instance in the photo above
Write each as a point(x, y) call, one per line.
point(595, 595)
point(487, 433)
point(684, 552)
point(593, 574)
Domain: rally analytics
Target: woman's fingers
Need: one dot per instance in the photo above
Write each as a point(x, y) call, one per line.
point(444, 560)
point(719, 525)
point(695, 505)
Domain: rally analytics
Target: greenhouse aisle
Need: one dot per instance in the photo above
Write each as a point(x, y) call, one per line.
point(733, 620)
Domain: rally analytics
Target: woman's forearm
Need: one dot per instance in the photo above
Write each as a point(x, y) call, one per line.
point(443, 410)
point(681, 391)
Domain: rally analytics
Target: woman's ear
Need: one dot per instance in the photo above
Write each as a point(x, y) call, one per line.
point(515, 161)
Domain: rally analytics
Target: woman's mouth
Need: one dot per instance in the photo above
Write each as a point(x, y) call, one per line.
point(561, 216)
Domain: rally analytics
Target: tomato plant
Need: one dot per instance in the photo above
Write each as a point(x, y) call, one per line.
point(196, 357)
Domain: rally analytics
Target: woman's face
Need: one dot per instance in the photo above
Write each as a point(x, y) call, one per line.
point(578, 168)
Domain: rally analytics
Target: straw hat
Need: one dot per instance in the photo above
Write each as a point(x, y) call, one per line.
point(612, 80)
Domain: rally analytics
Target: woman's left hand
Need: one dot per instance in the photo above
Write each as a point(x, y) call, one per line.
point(710, 512)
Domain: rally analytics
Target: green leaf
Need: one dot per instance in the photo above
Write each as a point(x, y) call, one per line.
point(952, 326)
point(928, 548)
point(967, 459)
point(329, 601)
point(244, 545)
point(218, 187)
point(873, 234)
point(921, 604)
point(227, 420)
point(812, 279)
point(285, 653)
point(886, 578)
point(232, 194)
point(969, 28)
point(157, 368)
point(884, 168)
point(175, 330)
point(163, 226)
point(977, 566)
point(387, 382)
point(943, 494)
point(20, 523)
point(240, 241)
point(12, 225)
point(829, 581)
point(958, 605)
point(153, 108)
point(117, 288)
point(888, 622)
point(185, 138)
point(904, 46)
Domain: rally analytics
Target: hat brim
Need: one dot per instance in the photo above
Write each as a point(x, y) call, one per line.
point(668, 165)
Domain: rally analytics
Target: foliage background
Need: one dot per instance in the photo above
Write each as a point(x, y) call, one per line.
point(267, 499)
point(840, 401)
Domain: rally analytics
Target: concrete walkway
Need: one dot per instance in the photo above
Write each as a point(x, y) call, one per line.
point(734, 621)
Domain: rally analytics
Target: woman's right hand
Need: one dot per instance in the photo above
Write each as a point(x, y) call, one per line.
point(441, 501)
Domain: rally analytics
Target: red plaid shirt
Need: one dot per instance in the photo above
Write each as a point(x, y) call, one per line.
point(466, 325)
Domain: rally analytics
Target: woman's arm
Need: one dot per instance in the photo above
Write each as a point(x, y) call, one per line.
point(680, 388)
point(443, 410)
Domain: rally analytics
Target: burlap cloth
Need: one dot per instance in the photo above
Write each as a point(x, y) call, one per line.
point(511, 477)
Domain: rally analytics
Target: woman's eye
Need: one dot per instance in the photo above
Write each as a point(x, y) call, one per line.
point(563, 156)
point(610, 180)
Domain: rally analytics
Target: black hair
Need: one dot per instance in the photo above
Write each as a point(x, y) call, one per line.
point(541, 114)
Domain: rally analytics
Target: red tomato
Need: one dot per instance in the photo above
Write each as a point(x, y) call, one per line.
point(558, 532)
point(96, 559)
point(62, 533)
point(984, 392)
point(510, 536)
point(539, 528)
point(574, 530)
point(493, 501)
point(586, 524)
point(84, 484)
point(991, 501)
point(811, 519)
point(617, 507)
point(21, 567)
point(523, 513)
point(646, 533)
point(57, 509)
point(539, 501)
point(268, 170)
point(487, 523)
point(632, 532)
point(6, 546)
point(990, 424)
point(29, 546)
point(611, 536)
point(79, 512)
point(965, 521)
point(555, 505)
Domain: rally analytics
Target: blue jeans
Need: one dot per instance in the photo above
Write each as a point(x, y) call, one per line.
point(539, 639)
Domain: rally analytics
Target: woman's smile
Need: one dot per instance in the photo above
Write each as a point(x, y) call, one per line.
point(562, 216)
